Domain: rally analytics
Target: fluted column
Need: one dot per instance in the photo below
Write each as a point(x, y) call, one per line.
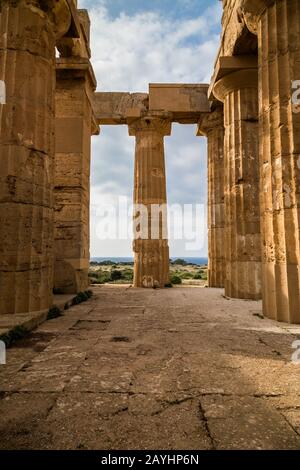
point(238, 91)
point(28, 30)
point(277, 24)
point(151, 255)
point(212, 126)
point(74, 127)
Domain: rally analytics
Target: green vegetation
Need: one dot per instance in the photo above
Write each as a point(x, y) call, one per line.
point(176, 279)
point(116, 275)
point(82, 297)
point(103, 263)
point(180, 262)
point(100, 277)
point(122, 273)
point(20, 332)
point(17, 333)
point(54, 312)
point(197, 276)
point(111, 263)
point(185, 275)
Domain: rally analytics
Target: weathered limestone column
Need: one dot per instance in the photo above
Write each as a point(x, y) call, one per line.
point(212, 126)
point(151, 256)
point(238, 91)
point(277, 24)
point(28, 31)
point(74, 127)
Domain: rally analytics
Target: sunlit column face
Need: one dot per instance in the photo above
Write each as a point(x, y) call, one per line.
point(27, 70)
point(150, 221)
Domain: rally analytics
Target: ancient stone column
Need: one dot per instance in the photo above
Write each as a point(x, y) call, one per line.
point(212, 126)
point(277, 25)
point(28, 31)
point(151, 254)
point(238, 91)
point(73, 129)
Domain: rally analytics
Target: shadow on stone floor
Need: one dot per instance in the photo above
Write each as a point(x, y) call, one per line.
point(189, 376)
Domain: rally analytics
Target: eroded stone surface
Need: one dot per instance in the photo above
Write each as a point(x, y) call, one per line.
point(267, 31)
point(74, 126)
point(212, 126)
point(28, 34)
point(238, 91)
point(27, 54)
point(150, 246)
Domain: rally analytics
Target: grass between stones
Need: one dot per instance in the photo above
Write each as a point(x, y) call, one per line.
point(20, 331)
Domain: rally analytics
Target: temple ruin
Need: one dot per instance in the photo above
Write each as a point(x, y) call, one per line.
point(247, 113)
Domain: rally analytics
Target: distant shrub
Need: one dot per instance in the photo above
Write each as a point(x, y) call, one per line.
point(176, 280)
point(180, 261)
point(102, 277)
point(107, 263)
point(127, 274)
point(116, 275)
point(197, 276)
point(186, 275)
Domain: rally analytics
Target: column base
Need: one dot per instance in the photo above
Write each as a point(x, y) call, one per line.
point(243, 280)
point(69, 280)
point(215, 274)
point(151, 264)
point(281, 298)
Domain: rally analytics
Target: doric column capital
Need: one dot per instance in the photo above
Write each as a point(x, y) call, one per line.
point(156, 123)
point(210, 121)
point(252, 11)
point(69, 46)
point(246, 78)
point(59, 12)
point(62, 13)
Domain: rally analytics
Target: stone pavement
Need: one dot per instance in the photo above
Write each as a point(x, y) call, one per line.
point(180, 368)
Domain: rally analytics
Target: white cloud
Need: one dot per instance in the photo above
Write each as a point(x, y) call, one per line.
point(128, 53)
point(131, 51)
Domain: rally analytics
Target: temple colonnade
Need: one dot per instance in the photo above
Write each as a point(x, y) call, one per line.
point(248, 114)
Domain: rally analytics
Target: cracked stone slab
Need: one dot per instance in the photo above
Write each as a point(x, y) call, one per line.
point(21, 418)
point(173, 369)
point(113, 421)
point(247, 423)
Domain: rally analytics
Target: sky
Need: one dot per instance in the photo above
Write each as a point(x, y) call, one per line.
point(134, 43)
